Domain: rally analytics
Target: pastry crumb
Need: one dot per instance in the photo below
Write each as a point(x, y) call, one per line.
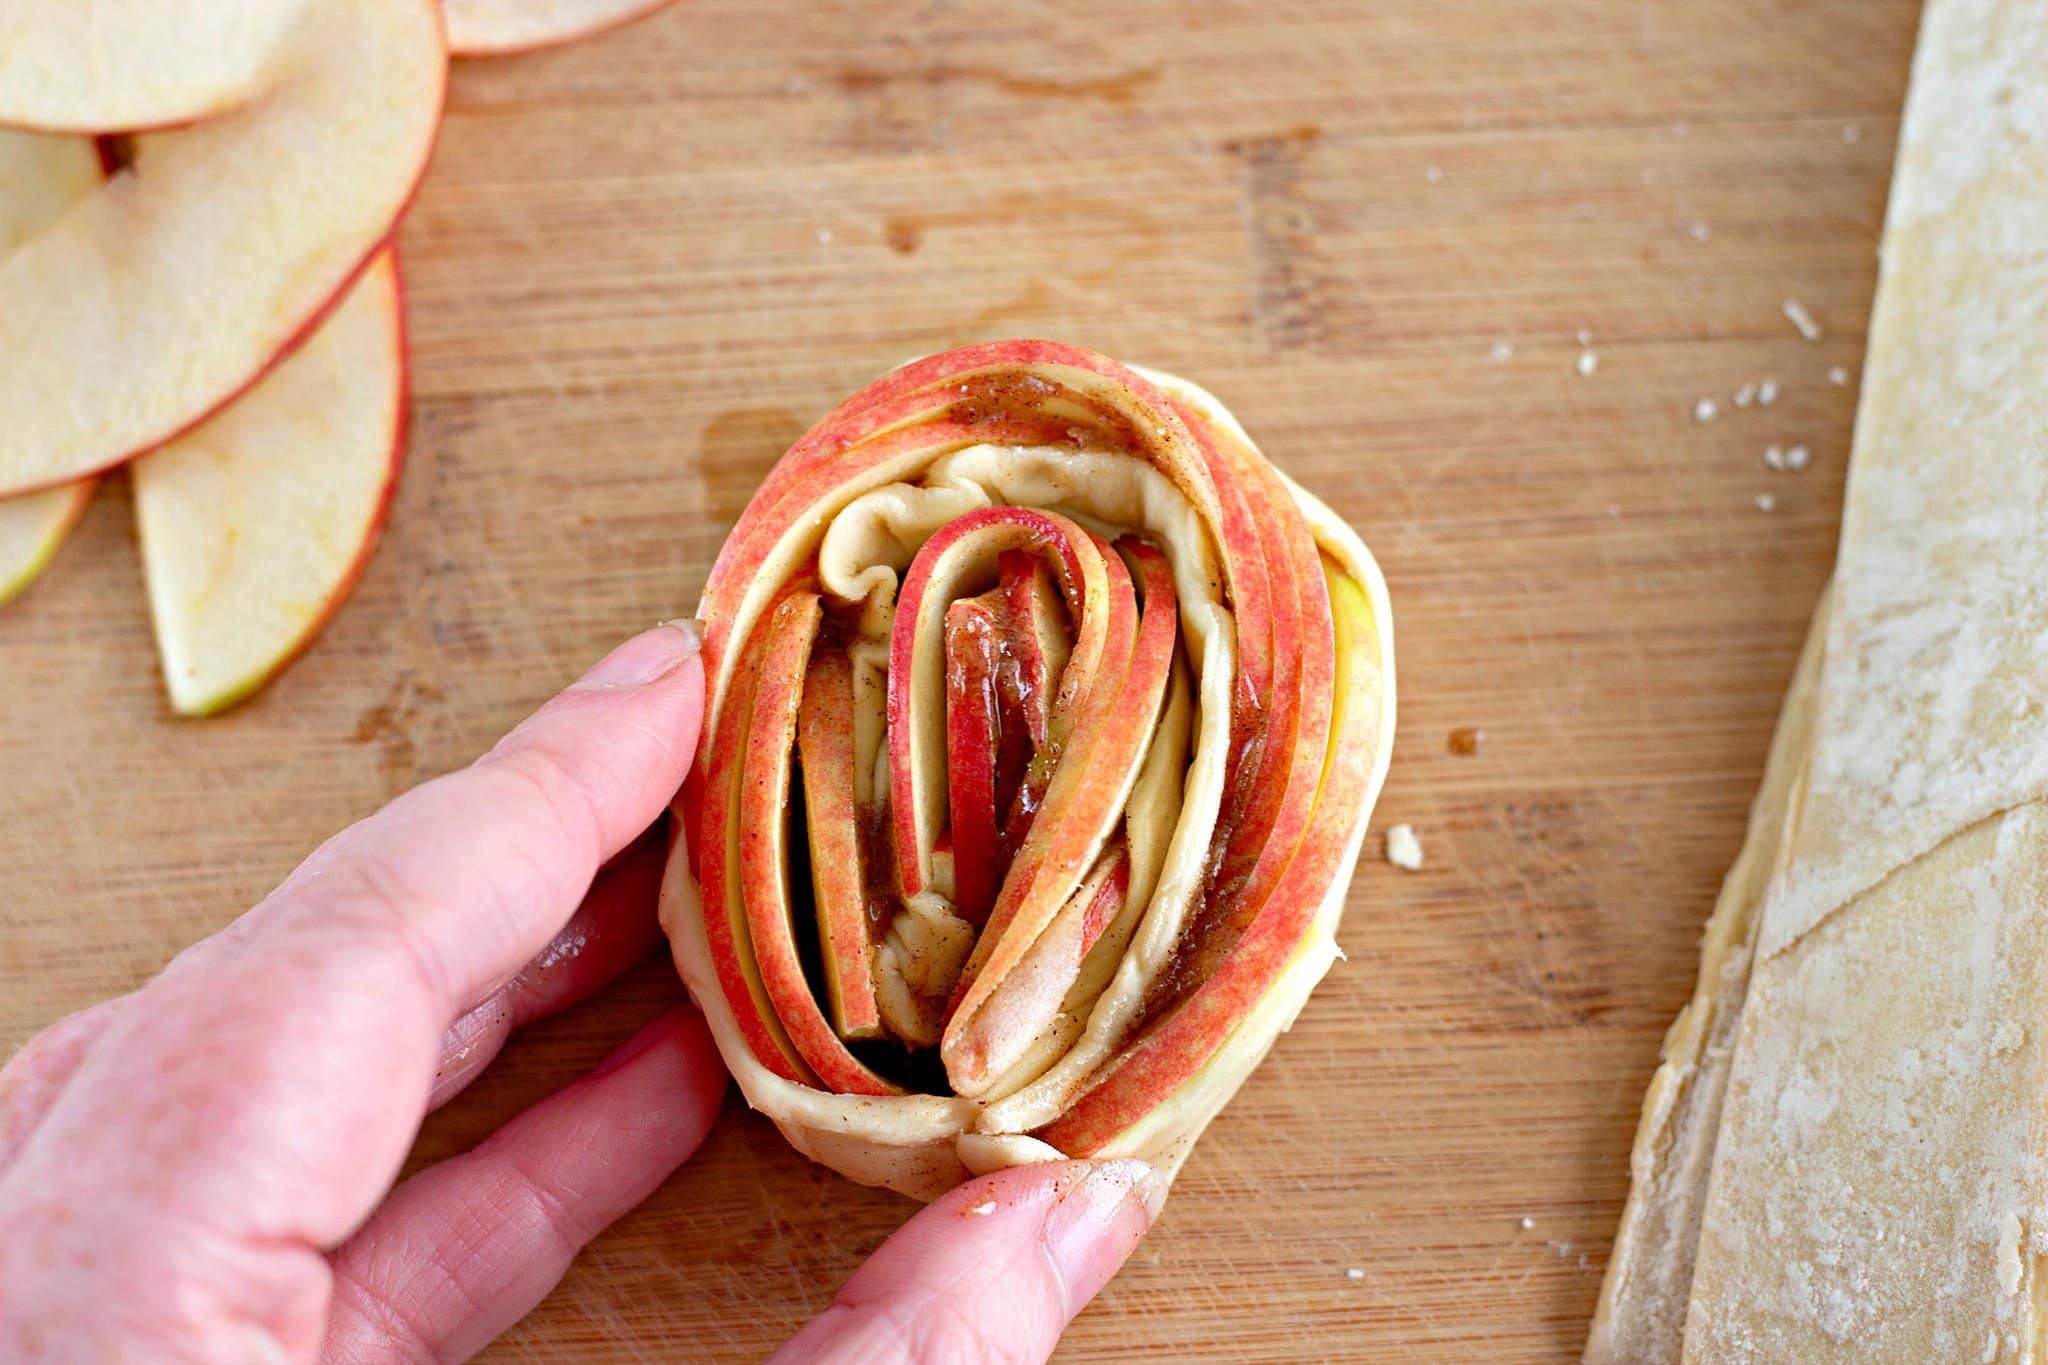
point(1404, 850)
point(1699, 232)
point(1746, 395)
point(1839, 377)
point(1774, 457)
point(983, 1210)
point(1767, 393)
point(1466, 739)
point(1527, 1222)
point(1796, 458)
point(1798, 316)
point(1588, 362)
point(1705, 410)
point(1766, 502)
point(1354, 1273)
point(1503, 351)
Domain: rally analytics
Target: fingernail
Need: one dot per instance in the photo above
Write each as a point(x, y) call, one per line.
point(1098, 1221)
point(648, 657)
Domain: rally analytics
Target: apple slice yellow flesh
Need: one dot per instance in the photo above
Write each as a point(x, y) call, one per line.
point(105, 66)
point(496, 28)
point(255, 525)
point(173, 288)
point(40, 179)
point(32, 527)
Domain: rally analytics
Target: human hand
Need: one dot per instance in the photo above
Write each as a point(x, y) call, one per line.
point(202, 1170)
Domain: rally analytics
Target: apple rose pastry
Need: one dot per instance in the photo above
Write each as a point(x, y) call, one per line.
point(1045, 718)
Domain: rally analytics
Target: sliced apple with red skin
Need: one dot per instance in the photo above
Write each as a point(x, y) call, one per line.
point(1292, 734)
point(1020, 393)
point(711, 797)
point(973, 739)
point(499, 28)
point(764, 856)
point(41, 179)
point(110, 66)
point(180, 282)
point(965, 550)
point(1284, 749)
point(256, 525)
point(1146, 1071)
point(1036, 634)
point(1082, 805)
point(838, 860)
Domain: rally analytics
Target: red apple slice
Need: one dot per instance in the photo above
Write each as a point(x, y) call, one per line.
point(105, 66)
point(1036, 634)
point(1087, 794)
point(496, 28)
point(180, 282)
point(41, 178)
point(1193, 1028)
point(973, 735)
point(833, 823)
point(763, 848)
point(256, 525)
point(966, 549)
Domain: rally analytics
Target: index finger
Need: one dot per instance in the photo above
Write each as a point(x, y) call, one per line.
point(284, 1064)
point(474, 871)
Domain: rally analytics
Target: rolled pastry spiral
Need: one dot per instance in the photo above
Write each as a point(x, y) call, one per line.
point(1044, 720)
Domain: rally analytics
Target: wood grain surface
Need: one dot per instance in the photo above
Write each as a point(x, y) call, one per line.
point(642, 264)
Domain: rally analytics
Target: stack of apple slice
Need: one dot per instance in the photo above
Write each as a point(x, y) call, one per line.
point(1089, 706)
point(222, 313)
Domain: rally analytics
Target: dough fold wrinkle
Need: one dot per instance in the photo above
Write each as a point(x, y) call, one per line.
point(1045, 720)
point(1842, 1155)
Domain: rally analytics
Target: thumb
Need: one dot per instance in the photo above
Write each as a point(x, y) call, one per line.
point(995, 1270)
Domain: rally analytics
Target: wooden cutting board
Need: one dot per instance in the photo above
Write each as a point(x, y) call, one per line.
point(641, 265)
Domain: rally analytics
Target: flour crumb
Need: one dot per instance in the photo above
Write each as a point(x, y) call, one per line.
point(1354, 1273)
point(2009, 1253)
point(1404, 850)
point(1767, 393)
point(1704, 410)
point(1766, 502)
point(1796, 458)
point(1746, 395)
point(1839, 377)
point(1527, 1222)
point(1503, 351)
point(1774, 457)
point(983, 1210)
point(1796, 314)
point(1588, 362)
